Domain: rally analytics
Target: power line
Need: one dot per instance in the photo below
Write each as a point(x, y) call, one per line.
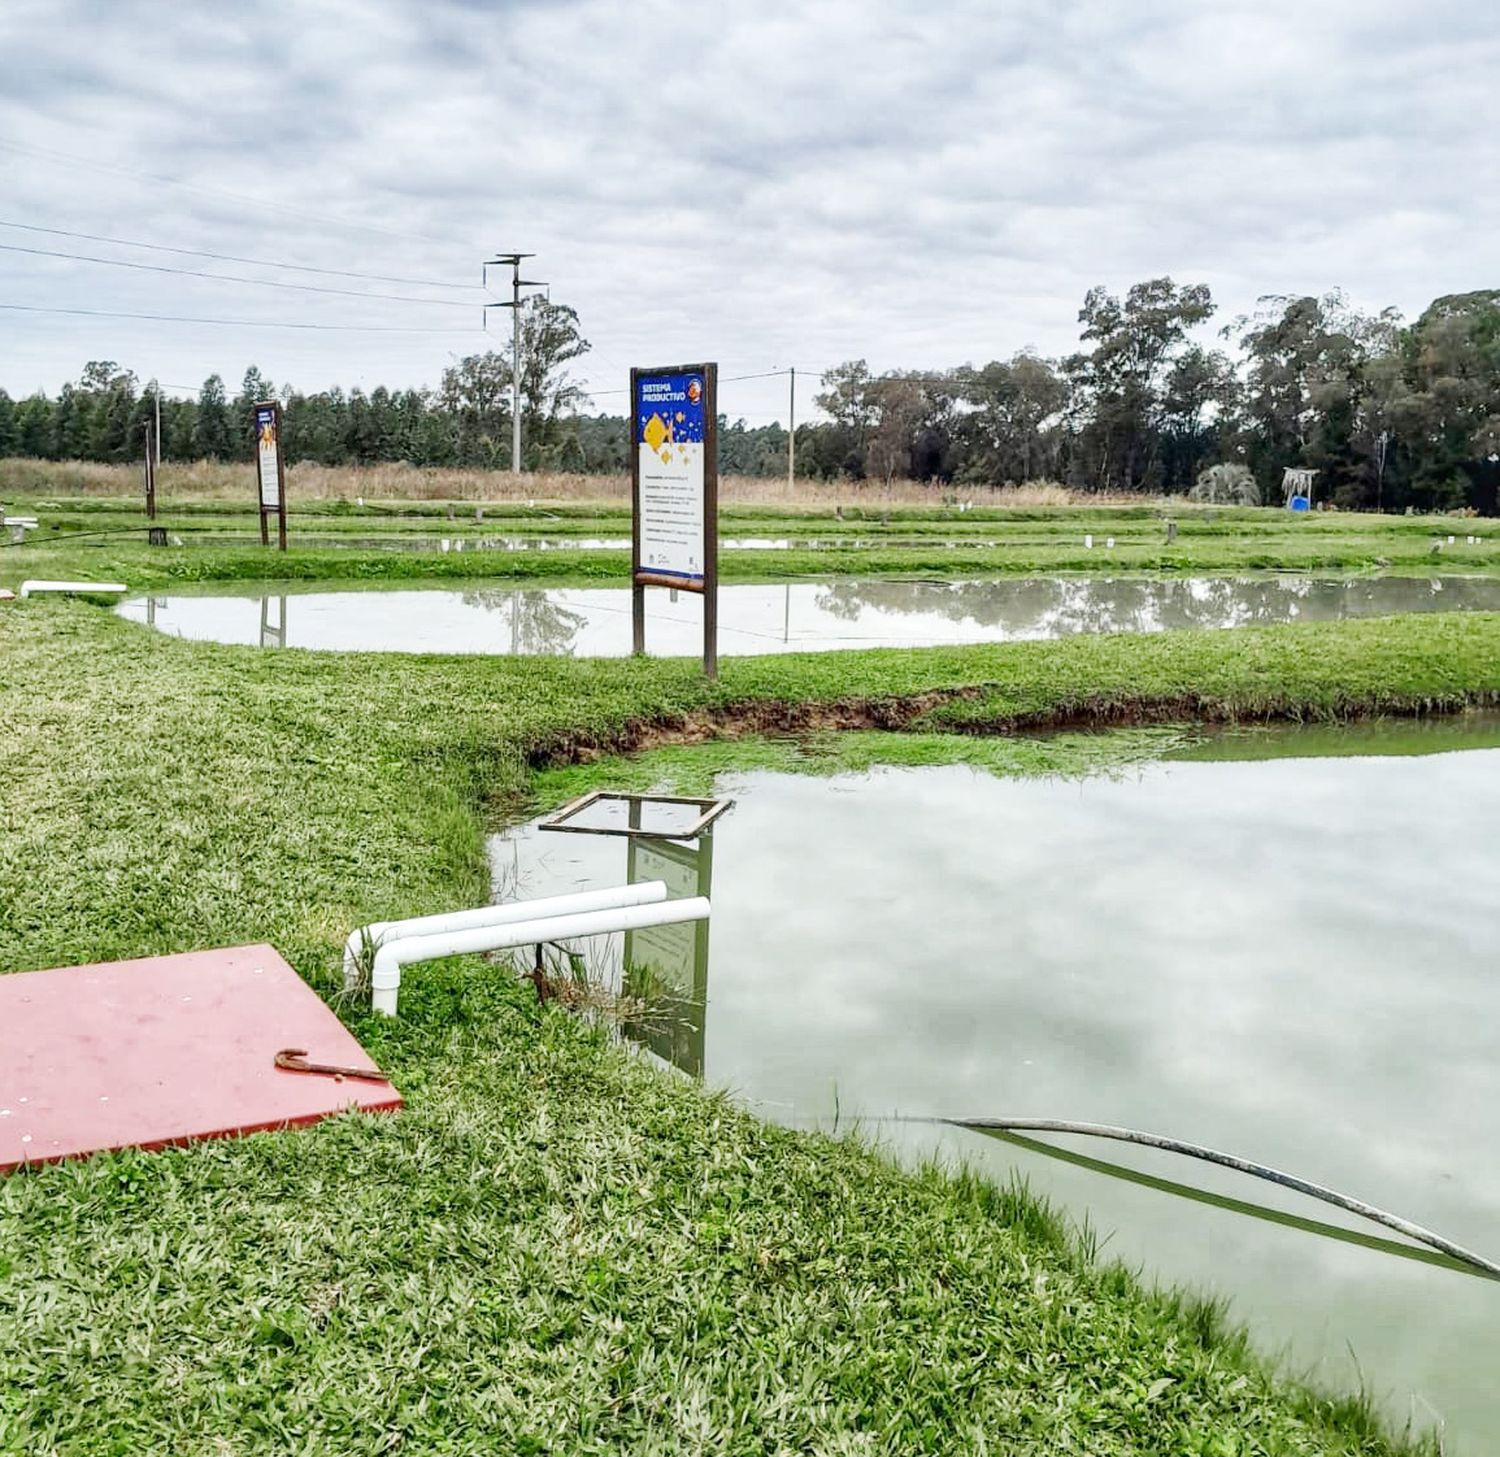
point(236, 258)
point(53, 155)
point(239, 323)
point(403, 298)
point(917, 376)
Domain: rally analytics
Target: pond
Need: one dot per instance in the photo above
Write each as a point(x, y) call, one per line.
point(490, 617)
point(1250, 945)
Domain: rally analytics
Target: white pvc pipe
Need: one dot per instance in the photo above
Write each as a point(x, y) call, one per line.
point(503, 913)
point(385, 979)
point(109, 588)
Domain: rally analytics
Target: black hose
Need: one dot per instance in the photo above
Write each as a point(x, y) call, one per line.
point(1228, 1161)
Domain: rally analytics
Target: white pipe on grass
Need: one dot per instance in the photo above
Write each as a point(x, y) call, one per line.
point(385, 979)
point(111, 589)
point(502, 913)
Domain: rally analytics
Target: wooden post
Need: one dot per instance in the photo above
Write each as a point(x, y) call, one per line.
point(711, 520)
point(637, 587)
point(150, 472)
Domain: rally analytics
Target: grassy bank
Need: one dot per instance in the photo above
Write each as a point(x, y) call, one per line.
point(1027, 554)
point(334, 540)
point(554, 1249)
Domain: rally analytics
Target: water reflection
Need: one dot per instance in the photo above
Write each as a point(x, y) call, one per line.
point(1045, 607)
point(665, 968)
point(1284, 955)
point(538, 624)
point(272, 622)
point(659, 973)
point(489, 617)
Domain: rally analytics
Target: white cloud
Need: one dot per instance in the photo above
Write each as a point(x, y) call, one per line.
point(780, 184)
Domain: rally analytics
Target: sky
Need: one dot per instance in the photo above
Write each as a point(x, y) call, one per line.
point(770, 186)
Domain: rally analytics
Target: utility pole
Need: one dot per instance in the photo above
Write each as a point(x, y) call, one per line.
point(791, 435)
point(156, 402)
point(517, 283)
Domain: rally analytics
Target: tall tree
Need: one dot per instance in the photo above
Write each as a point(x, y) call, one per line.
point(474, 392)
point(98, 418)
point(36, 428)
point(1448, 417)
point(903, 409)
point(211, 430)
point(1306, 361)
point(550, 340)
point(1199, 402)
point(848, 397)
point(1118, 381)
point(1009, 433)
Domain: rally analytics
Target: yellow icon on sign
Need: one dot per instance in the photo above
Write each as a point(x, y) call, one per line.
point(655, 432)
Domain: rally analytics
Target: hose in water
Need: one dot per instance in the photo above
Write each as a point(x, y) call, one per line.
point(1228, 1161)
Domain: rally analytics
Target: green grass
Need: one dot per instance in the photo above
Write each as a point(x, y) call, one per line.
point(694, 768)
point(143, 568)
point(554, 1248)
point(105, 539)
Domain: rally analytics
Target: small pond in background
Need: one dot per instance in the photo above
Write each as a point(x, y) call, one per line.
point(489, 617)
point(1280, 943)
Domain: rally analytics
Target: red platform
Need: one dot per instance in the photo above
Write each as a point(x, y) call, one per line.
point(166, 1050)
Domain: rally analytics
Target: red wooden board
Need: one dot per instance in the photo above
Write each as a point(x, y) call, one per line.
point(166, 1050)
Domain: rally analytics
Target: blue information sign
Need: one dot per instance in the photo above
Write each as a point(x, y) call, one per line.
point(671, 506)
point(268, 456)
point(268, 469)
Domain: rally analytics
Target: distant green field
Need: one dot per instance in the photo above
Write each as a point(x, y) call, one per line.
point(213, 541)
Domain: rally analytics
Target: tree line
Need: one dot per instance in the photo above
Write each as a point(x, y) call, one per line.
point(1388, 414)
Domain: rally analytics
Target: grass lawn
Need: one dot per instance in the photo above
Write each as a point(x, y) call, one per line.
point(555, 1248)
point(104, 539)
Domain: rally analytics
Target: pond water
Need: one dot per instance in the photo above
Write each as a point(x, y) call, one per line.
point(1287, 956)
point(488, 617)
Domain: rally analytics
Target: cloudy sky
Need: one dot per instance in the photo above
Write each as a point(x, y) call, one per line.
point(769, 185)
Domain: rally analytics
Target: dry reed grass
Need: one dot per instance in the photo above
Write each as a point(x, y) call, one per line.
point(221, 480)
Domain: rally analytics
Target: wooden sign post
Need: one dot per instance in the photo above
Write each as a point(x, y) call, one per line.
point(270, 470)
point(150, 479)
point(674, 493)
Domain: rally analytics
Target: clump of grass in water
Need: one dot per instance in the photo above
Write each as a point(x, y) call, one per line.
point(600, 988)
